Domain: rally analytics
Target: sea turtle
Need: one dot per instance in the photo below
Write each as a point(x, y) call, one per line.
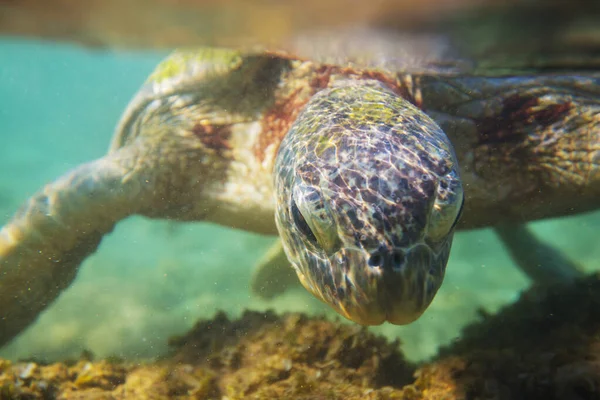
point(353, 160)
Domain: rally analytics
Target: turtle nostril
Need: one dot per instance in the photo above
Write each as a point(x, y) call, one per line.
point(398, 259)
point(375, 260)
point(387, 259)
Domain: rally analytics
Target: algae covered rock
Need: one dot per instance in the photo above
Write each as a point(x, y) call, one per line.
point(294, 356)
point(545, 346)
point(260, 356)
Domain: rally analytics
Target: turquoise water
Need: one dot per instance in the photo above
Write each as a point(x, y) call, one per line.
point(153, 279)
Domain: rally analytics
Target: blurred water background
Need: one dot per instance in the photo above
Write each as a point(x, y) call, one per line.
point(154, 279)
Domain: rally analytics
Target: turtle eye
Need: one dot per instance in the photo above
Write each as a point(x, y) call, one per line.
point(302, 225)
point(447, 207)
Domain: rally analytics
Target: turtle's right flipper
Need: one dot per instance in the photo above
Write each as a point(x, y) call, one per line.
point(273, 274)
point(42, 246)
point(542, 263)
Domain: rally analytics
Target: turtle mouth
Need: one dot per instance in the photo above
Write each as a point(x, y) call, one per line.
point(372, 291)
point(406, 294)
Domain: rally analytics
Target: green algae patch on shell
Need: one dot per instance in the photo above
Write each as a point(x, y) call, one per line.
point(181, 61)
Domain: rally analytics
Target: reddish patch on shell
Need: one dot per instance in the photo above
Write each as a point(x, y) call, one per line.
point(390, 81)
point(215, 137)
point(278, 119)
point(518, 112)
point(321, 78)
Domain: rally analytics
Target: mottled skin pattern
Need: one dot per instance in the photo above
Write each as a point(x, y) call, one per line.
point(199, 142)
point(368, 194)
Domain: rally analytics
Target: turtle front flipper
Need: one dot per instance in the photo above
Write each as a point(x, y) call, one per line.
point(42, 246)
point(273, 274)
point(542, 263)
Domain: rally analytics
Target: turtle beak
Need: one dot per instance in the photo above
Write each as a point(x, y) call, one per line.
point(390, 291)
point(406, 293)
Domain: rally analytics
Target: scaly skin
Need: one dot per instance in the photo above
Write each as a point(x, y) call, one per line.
point(200, 141)
point(368, 195)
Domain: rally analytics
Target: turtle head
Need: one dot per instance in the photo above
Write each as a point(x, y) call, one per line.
point(368, 195)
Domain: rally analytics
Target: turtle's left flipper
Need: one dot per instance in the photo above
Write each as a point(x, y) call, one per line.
point(273, 274)
point(542, 263)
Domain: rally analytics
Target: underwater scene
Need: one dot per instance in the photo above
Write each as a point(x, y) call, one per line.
point(166, 309)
